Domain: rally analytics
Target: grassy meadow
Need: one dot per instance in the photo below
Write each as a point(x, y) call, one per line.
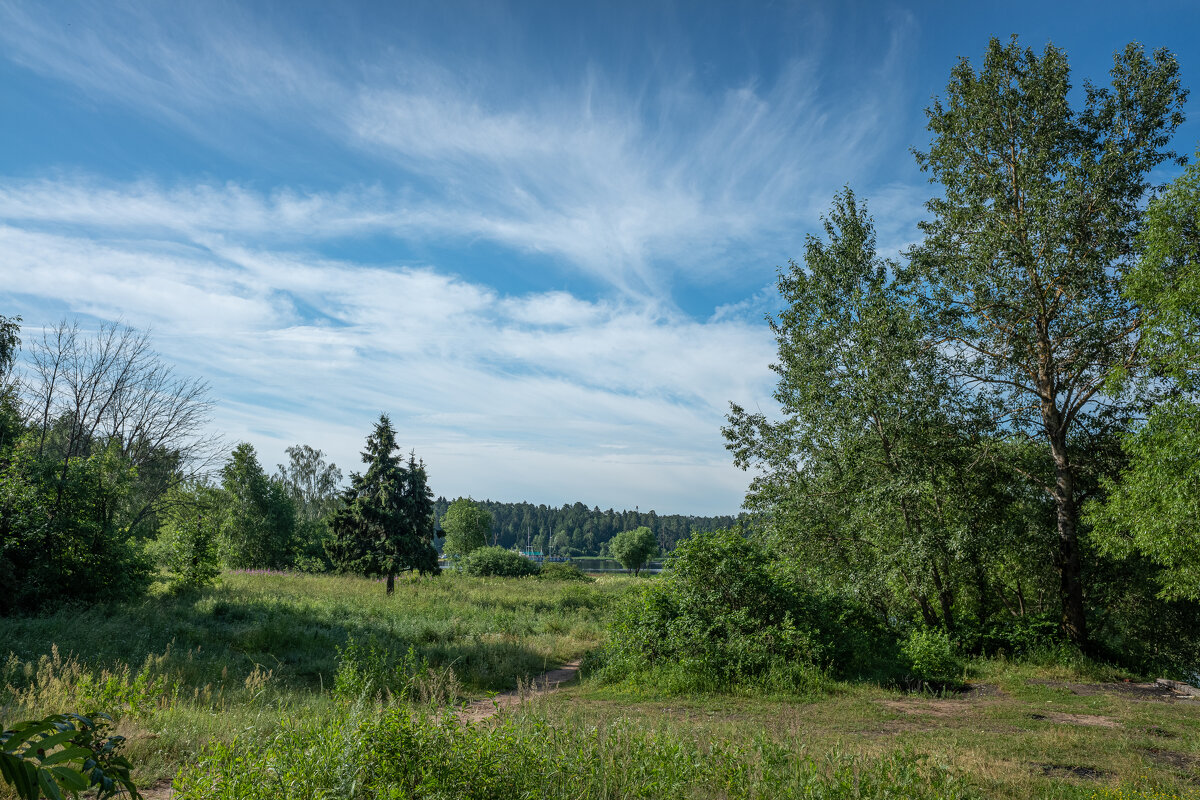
point(297, 686)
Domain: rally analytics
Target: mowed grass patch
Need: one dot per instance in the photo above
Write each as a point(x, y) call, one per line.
point(1027, 732)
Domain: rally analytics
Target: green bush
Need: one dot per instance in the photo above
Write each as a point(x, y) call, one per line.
point(62, 541)
point(932, 657)
point(559, 571)
point(487, 562)
point(722, 615)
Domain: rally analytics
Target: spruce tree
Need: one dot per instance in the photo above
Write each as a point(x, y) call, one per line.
point(385, 524)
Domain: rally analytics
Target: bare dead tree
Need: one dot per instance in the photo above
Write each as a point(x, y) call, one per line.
point(86, 392)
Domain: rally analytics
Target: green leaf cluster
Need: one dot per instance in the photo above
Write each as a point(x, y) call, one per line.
point(466, 526)
point(1153, 508)
point(65, 753)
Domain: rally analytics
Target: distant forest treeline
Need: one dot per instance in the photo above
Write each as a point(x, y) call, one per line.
point(579, 530)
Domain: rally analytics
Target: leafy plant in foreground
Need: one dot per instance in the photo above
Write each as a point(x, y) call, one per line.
point(65, 753)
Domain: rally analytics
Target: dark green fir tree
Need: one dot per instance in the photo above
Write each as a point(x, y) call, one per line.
point(385, 525)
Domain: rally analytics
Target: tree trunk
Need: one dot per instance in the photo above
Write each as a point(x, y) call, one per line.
point(1074, 621)
point(945, 600)
point(391, 583)
point(931, 619)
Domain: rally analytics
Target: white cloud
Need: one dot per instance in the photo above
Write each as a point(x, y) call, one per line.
point(639, 188)
point(545, 396)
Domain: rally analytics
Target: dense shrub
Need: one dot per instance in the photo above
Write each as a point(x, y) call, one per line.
point(932, 657)
point(63, 535)
point(1138, 630)
point(559, 571)
point(497, 562)
point(722, 615)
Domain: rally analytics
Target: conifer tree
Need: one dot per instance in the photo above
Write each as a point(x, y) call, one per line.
point(385, 524)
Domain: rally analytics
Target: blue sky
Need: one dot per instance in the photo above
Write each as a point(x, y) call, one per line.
point(541, 236)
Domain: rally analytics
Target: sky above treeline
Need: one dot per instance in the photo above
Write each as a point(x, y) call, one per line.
point(541, 236)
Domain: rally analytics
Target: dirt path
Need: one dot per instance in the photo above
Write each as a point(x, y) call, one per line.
point(477, 711)
point(546, 682)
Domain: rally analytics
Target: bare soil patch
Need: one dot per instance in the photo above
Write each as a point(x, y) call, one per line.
point(1151, 692)
point(1171, 758)
point(1070, 771)
point(159, 790)
point(1089, 720)
point(931, 708)
point(546, 682)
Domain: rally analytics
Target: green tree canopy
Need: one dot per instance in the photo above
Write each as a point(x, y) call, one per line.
point(1027, 245)
point(259, 525)
point(313, 485)
point(10, 414)
point(189, 534)
point(1154, 509)
point(466, 526)
point(10, 327)
point(634, 548)
point(385, 525)
point(868, 479)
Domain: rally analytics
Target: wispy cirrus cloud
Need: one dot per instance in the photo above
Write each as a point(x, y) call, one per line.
point(636, 189)
point(646, 189)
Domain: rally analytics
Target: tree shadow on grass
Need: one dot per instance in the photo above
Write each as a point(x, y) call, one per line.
point(203, 639)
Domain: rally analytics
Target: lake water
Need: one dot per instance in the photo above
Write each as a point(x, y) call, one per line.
point(611, 565)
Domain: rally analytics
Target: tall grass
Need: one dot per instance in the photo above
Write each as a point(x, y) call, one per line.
point(301, 686)
point(490, 631)
point(180, 671)
point(402, 752)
